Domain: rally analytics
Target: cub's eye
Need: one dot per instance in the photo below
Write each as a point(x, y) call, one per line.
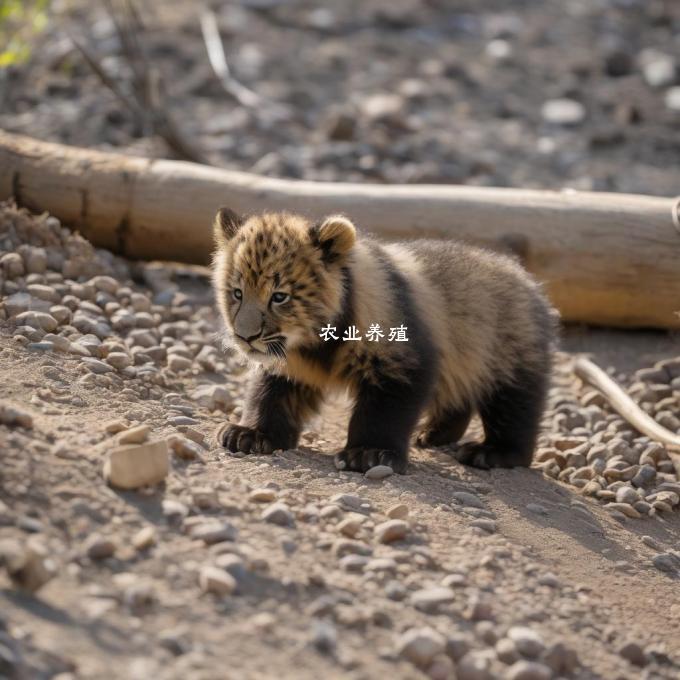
point(237, 293)
point(280, 298)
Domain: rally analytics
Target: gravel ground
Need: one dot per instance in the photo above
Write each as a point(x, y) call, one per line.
point(545, 93)
point(132, 547)
point(189, 563)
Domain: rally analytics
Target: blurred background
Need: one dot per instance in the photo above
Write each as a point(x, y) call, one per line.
point(521, 93)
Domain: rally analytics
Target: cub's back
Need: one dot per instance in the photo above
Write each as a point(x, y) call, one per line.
point(486, 313)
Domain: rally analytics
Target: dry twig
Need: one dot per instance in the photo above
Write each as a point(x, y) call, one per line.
point(147, 100)
point(218, 61)
point(626, 407)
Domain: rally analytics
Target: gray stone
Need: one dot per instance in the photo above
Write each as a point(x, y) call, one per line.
point(214, 531)
point(420, 645)
point(429, 600)
point(467, 499)
point(529, 670)
point(528, 642)
point(278, 513)
point(487, 525)
point(39, 320)
point(626, 494)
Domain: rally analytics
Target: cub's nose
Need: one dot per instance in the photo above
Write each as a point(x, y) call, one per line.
point(251, 338)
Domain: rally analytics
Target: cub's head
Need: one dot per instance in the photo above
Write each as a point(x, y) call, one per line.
point(278, 279)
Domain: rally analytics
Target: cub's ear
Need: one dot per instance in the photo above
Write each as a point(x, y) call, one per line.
point(334, 236)
point(227, 223)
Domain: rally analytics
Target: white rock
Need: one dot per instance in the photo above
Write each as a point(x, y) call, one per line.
point(399, 511)
point(499, 50)
point(214, 531)
point(391, 530)
point(382, 105)
point(379, 472)
point(263, 495)
point(563, 112)
point(135, 435)
point(672, 98)
point(217, 581)
point(658, 68)
point(130, 467)
point(350, 526)
point(431, 599)
point(144, 538)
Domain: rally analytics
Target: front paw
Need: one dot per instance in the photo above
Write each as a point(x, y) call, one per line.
point(238, 438)
point(359, 459)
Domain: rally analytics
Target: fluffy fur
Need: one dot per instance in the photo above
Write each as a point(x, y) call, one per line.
point(479, 337)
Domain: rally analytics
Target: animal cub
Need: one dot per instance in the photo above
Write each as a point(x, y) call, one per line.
point(423, 332)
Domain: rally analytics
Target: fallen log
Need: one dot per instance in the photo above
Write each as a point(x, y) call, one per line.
point(606, 259)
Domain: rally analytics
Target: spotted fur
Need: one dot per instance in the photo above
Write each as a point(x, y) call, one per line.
point(479, 335)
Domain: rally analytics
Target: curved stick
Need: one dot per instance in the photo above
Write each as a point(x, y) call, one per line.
point(625, 406)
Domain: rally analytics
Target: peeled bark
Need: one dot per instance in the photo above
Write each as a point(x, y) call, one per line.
point(606, 259)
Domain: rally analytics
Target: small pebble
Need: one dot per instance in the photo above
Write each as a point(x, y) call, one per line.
point(420, 645)
point(263, 495)
point(399, 511)
point(391, 530)
point(217, 581)
point(379, 472)
point(135, 435)
point(529, 670)
point(528, 642)
point(144, 538)
point(467, 499)
point(632, 652)
point(429, 600)
point(278, 513)
point(99, 547)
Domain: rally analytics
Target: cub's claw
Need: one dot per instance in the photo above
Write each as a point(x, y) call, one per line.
point(485, 457)
point(359, 459)
point(238, 438)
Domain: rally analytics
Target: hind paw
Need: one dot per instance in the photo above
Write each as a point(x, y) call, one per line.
point(485, 456)
point(359, 459)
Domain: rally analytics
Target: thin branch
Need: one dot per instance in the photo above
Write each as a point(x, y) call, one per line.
point(626, 407)
point(218, 62)
point(148, 98)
